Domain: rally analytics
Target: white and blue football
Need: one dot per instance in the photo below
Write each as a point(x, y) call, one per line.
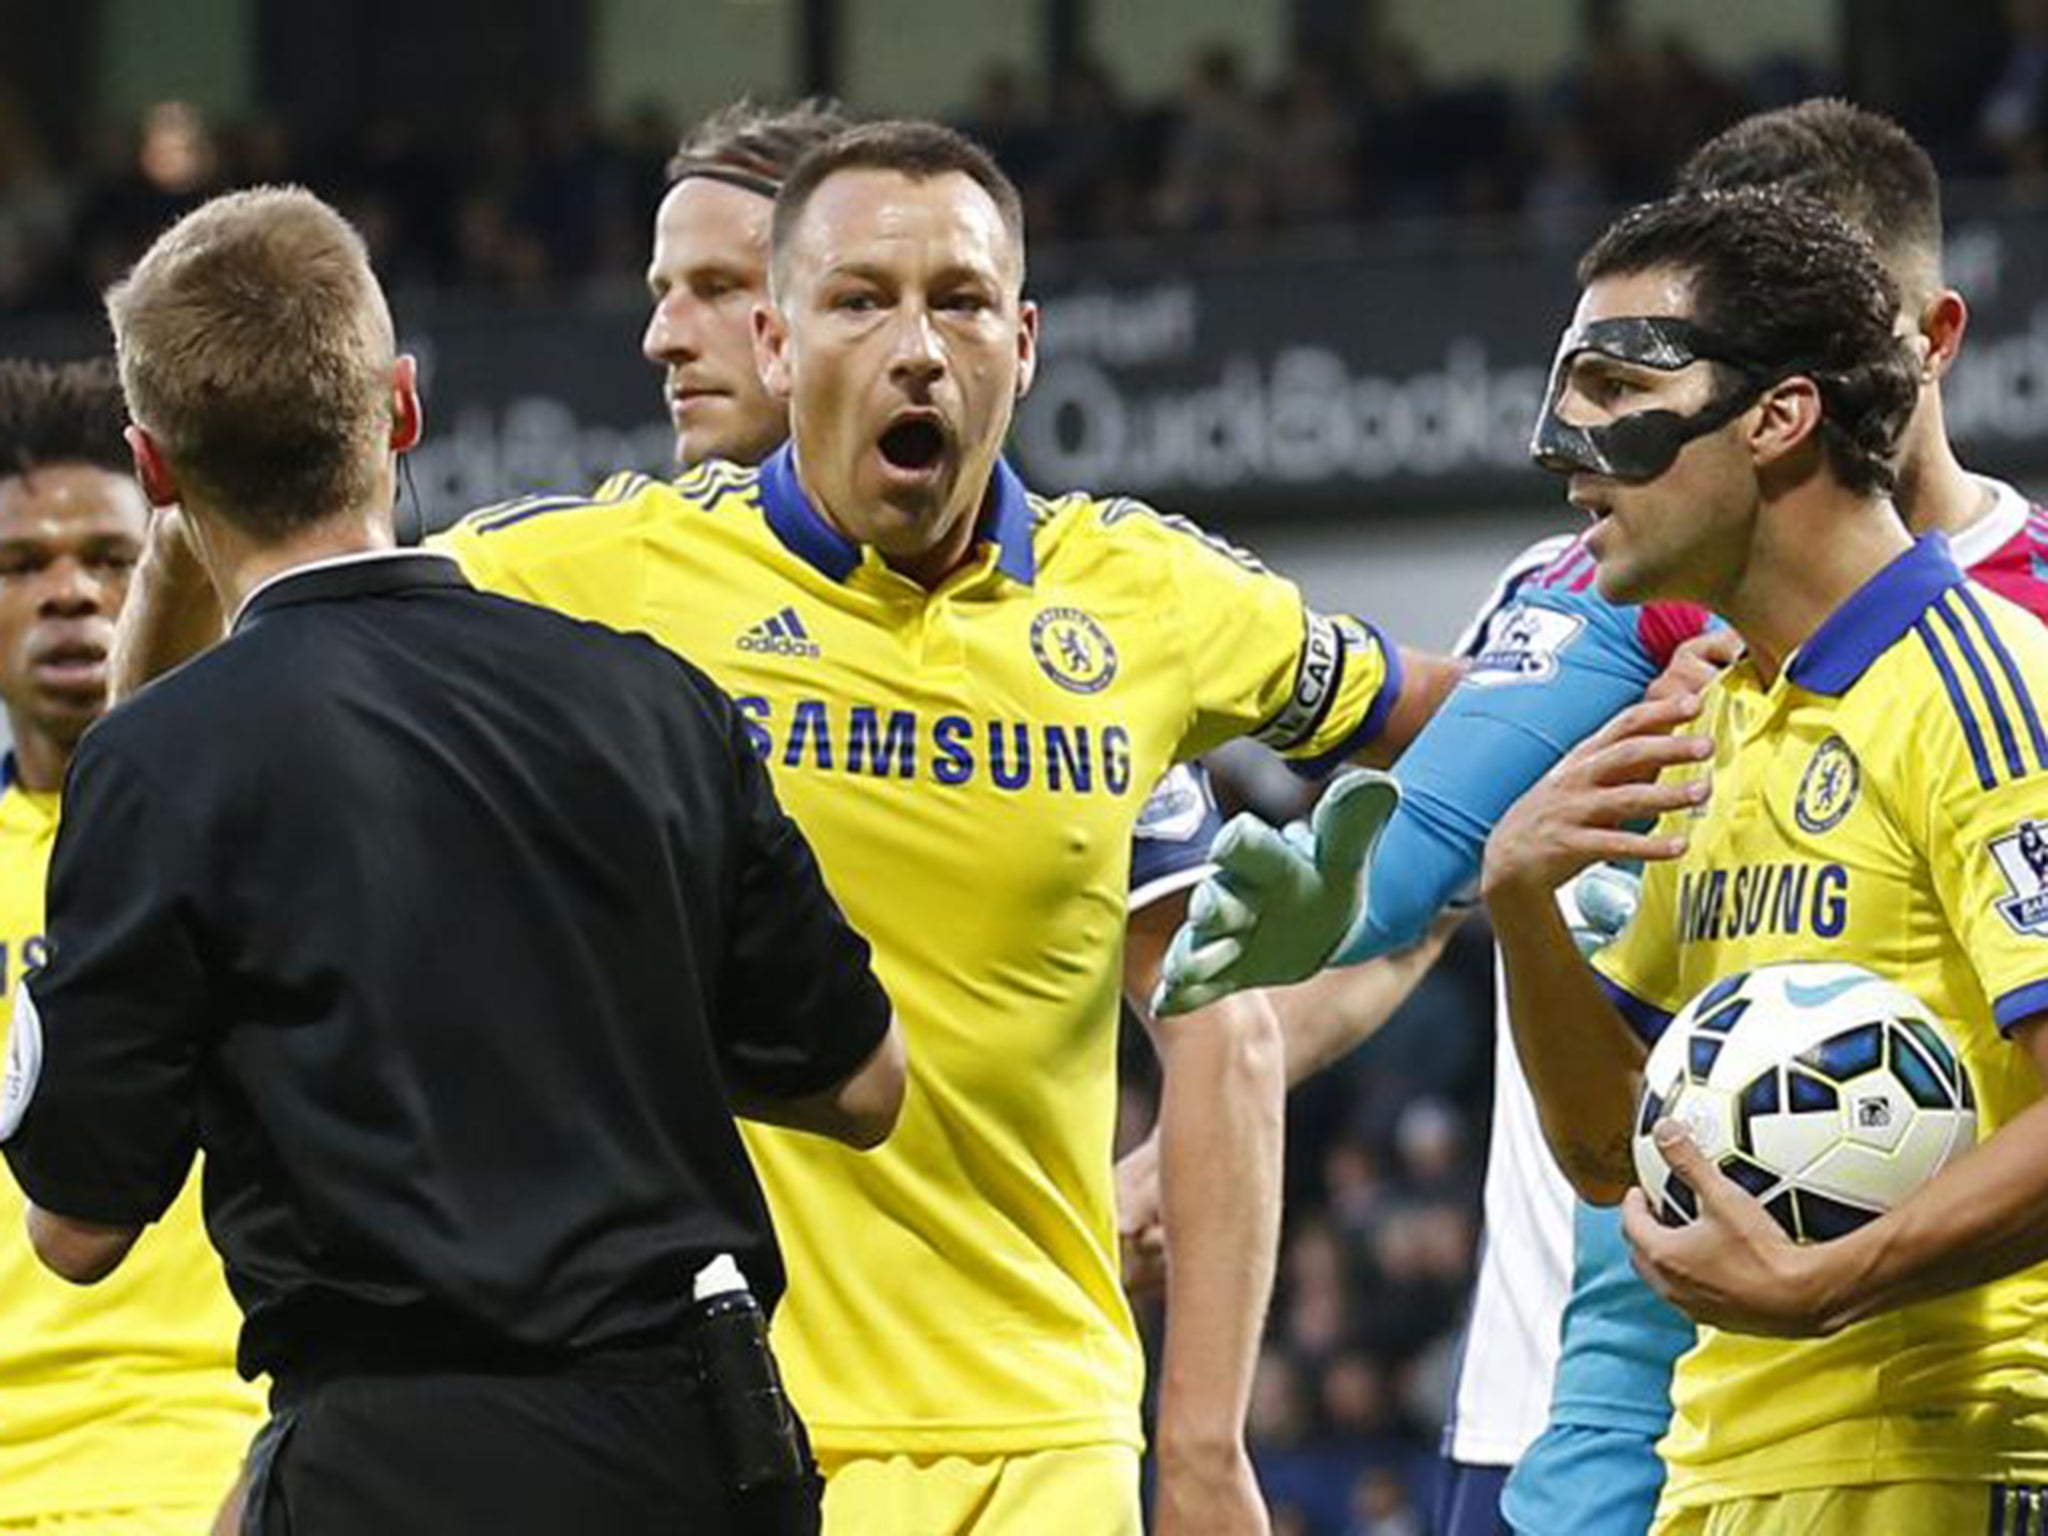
point(1826, 1091)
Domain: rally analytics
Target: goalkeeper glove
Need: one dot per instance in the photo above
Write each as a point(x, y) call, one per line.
point(1605, 897)
point(1281, 902)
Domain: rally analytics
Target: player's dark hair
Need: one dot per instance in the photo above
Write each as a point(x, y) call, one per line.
point(1860, 163)
point(921, 151)
point(1793, 289)
point(749, 142)
point(63, 413)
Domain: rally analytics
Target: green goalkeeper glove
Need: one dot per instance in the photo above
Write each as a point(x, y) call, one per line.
point(1606, 896)
point(1281, 902)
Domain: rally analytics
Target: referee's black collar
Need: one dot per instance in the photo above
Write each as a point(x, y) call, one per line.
point(370, 573)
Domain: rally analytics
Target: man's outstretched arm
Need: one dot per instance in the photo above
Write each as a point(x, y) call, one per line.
point(1220, 1148)
point(1426, 681)
point(1505, 726)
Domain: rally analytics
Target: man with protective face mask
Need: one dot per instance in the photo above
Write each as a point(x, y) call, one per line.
point(1639, 446)
point(1575, 1411)
point(1728, 405)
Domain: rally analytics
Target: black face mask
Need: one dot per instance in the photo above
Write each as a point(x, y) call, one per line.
point(1639, 447)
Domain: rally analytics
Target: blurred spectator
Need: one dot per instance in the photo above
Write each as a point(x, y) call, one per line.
point(1002, 119)
point(1380, 1506)
point(497, 255)
point(260, 150)
point(403, 195)
point(568, 182)
point(175, 166)
point(1279, 1416)
point(1318, 1283)
point(1628, 111)
point(1355, 1190)
point(178, 159)
point(1092, 182)
point(1430, 1137)
point(1426, 1382)
point(1698, 99)
point(2014, 116)
point(1416, 1278)
point(1357, 1405)
point(1218, 153)
point(35, 212)
point(1611, 89)
point(1313, 144)
point(1566, 200)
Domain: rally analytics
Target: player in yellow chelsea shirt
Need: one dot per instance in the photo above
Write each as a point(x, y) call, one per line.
point(966, 692)
point(645, 568)
point(120, 1412)
point(1727, 403)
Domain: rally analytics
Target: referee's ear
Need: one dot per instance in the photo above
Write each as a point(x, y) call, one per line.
point(152, 470)
point(408, 415)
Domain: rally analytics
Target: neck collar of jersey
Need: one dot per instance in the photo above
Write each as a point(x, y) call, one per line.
point(1875, 616)
point(363, 573)
point(806, 533)
point(17, 800)
point(1998, 526)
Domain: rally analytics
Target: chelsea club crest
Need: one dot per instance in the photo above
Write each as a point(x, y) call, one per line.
point(1828, 789)
point(1073, 650)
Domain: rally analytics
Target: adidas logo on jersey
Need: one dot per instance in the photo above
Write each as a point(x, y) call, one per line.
point(781, 634)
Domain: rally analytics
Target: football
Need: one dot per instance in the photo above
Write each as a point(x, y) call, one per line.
point(1826, 1091)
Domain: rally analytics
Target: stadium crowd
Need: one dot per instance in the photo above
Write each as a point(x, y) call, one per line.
point(527, 202)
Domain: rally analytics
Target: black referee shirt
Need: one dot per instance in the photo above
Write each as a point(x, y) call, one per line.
point(443, 924)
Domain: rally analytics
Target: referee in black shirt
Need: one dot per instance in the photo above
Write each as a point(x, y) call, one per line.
point(454, 931)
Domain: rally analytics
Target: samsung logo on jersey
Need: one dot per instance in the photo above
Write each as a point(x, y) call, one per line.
point(950, 749)
point(1786, 900)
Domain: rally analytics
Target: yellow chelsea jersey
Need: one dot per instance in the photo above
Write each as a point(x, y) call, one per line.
point(1884, 802)
point(123, 1396)
point(969, 763)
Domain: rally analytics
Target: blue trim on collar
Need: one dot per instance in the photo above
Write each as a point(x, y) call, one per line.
point(10, 771)
point(801, 527)
point(1875, 617)
point(1006, 521)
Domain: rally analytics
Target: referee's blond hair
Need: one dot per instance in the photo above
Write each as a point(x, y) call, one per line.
point(256, 347)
